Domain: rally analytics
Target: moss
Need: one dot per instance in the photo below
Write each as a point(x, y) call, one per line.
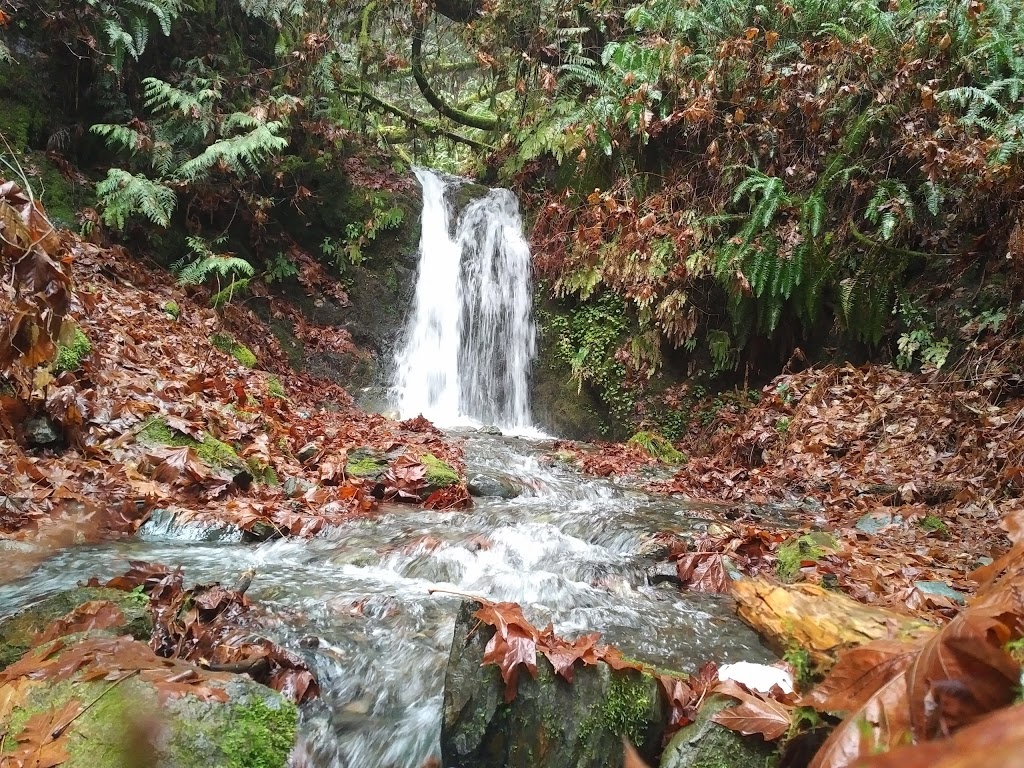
point(229, 346)
point(935, 524)
point(809, 547)
point(276, 388)
point(213, 452)
point(261, 736)
point(70, 355)
point(625, 709)
point(172, 309)
point(658, 447)
point(803, 667)
point(18, 122)
point(17, 632)
point(246, 732)
point(439, 474)
point(262, 473)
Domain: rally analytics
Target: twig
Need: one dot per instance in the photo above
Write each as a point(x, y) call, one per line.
point(434, 590)
point(56, 733)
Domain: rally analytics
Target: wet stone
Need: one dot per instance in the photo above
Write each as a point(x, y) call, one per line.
point(307, 452)
point(705, 744)
point(296, 486)
point(550, 723)
point(487, 486)
point(940, 589)
point(17, 633)
point(873, 522)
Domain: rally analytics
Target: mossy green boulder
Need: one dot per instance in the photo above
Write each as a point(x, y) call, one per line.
point(366, 462)
point(706, 744)
point(439, 475)
point(128, 725)
point(18, 632)
point(216, 454)
point(550, 723)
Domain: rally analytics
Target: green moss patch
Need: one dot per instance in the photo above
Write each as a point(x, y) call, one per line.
point(810, 547)
point(439, 474)
point(229, 346)
point(213, 452)
point(626, 709)
point(172, 310)
point(275, 388)
point(657, 447)
point(363, 462)
point(70, 355)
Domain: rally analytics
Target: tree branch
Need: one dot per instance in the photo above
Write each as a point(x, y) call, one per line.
point(432, 128)
point(483, 122)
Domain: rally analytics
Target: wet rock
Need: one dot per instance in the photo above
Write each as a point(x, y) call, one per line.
point(488, 486)
point(439, 475)
point(941, 589)
point(705, 744)
point(550, 723)
point(296, 486)
point(128, 724)
point(41, 431)
point(490, 429)
point(366, 462)
point(307, 452)
point(17, 633)
point(663, 572)
point(261, 531)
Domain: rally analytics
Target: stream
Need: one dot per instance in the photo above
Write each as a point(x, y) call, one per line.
point(369, 604)
point(356, 602)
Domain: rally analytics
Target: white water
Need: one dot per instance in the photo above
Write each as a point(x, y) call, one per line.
point(469, 341)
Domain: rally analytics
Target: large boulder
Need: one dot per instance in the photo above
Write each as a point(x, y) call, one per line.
point(17, 633)
point(550, 723)
point(492, 486)
point(706, 744)
point(128, 723)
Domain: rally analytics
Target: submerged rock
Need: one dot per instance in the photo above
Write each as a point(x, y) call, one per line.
point(17, 633)
point(550, 723)
point(488, 486)
point(706, 744)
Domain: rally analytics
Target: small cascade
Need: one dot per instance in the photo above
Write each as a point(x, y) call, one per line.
point(469, 341)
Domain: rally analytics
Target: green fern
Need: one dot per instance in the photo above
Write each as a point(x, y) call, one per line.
point(123, 195)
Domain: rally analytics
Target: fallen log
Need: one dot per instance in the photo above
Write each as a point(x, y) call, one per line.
point(816, 619)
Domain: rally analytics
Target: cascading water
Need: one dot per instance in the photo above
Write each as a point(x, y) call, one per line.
point(470, 338)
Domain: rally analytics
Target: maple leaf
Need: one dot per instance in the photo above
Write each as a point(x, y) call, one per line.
point(754, 714)
point(703, 572)
point(508, 651)
point(94, 614)
point(176, 462)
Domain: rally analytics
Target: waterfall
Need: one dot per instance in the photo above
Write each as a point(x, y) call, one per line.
point(469, 341)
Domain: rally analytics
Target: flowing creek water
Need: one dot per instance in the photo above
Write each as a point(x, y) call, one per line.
point(369, 604)
point(566, 549)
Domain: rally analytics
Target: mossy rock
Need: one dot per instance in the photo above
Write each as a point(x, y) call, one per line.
point(706, 744)
point(550, 723)
point(255, 728)
point(215, 453)
point(366, 462)
point(439, 475)
point(17, 632)
point(226, 344)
